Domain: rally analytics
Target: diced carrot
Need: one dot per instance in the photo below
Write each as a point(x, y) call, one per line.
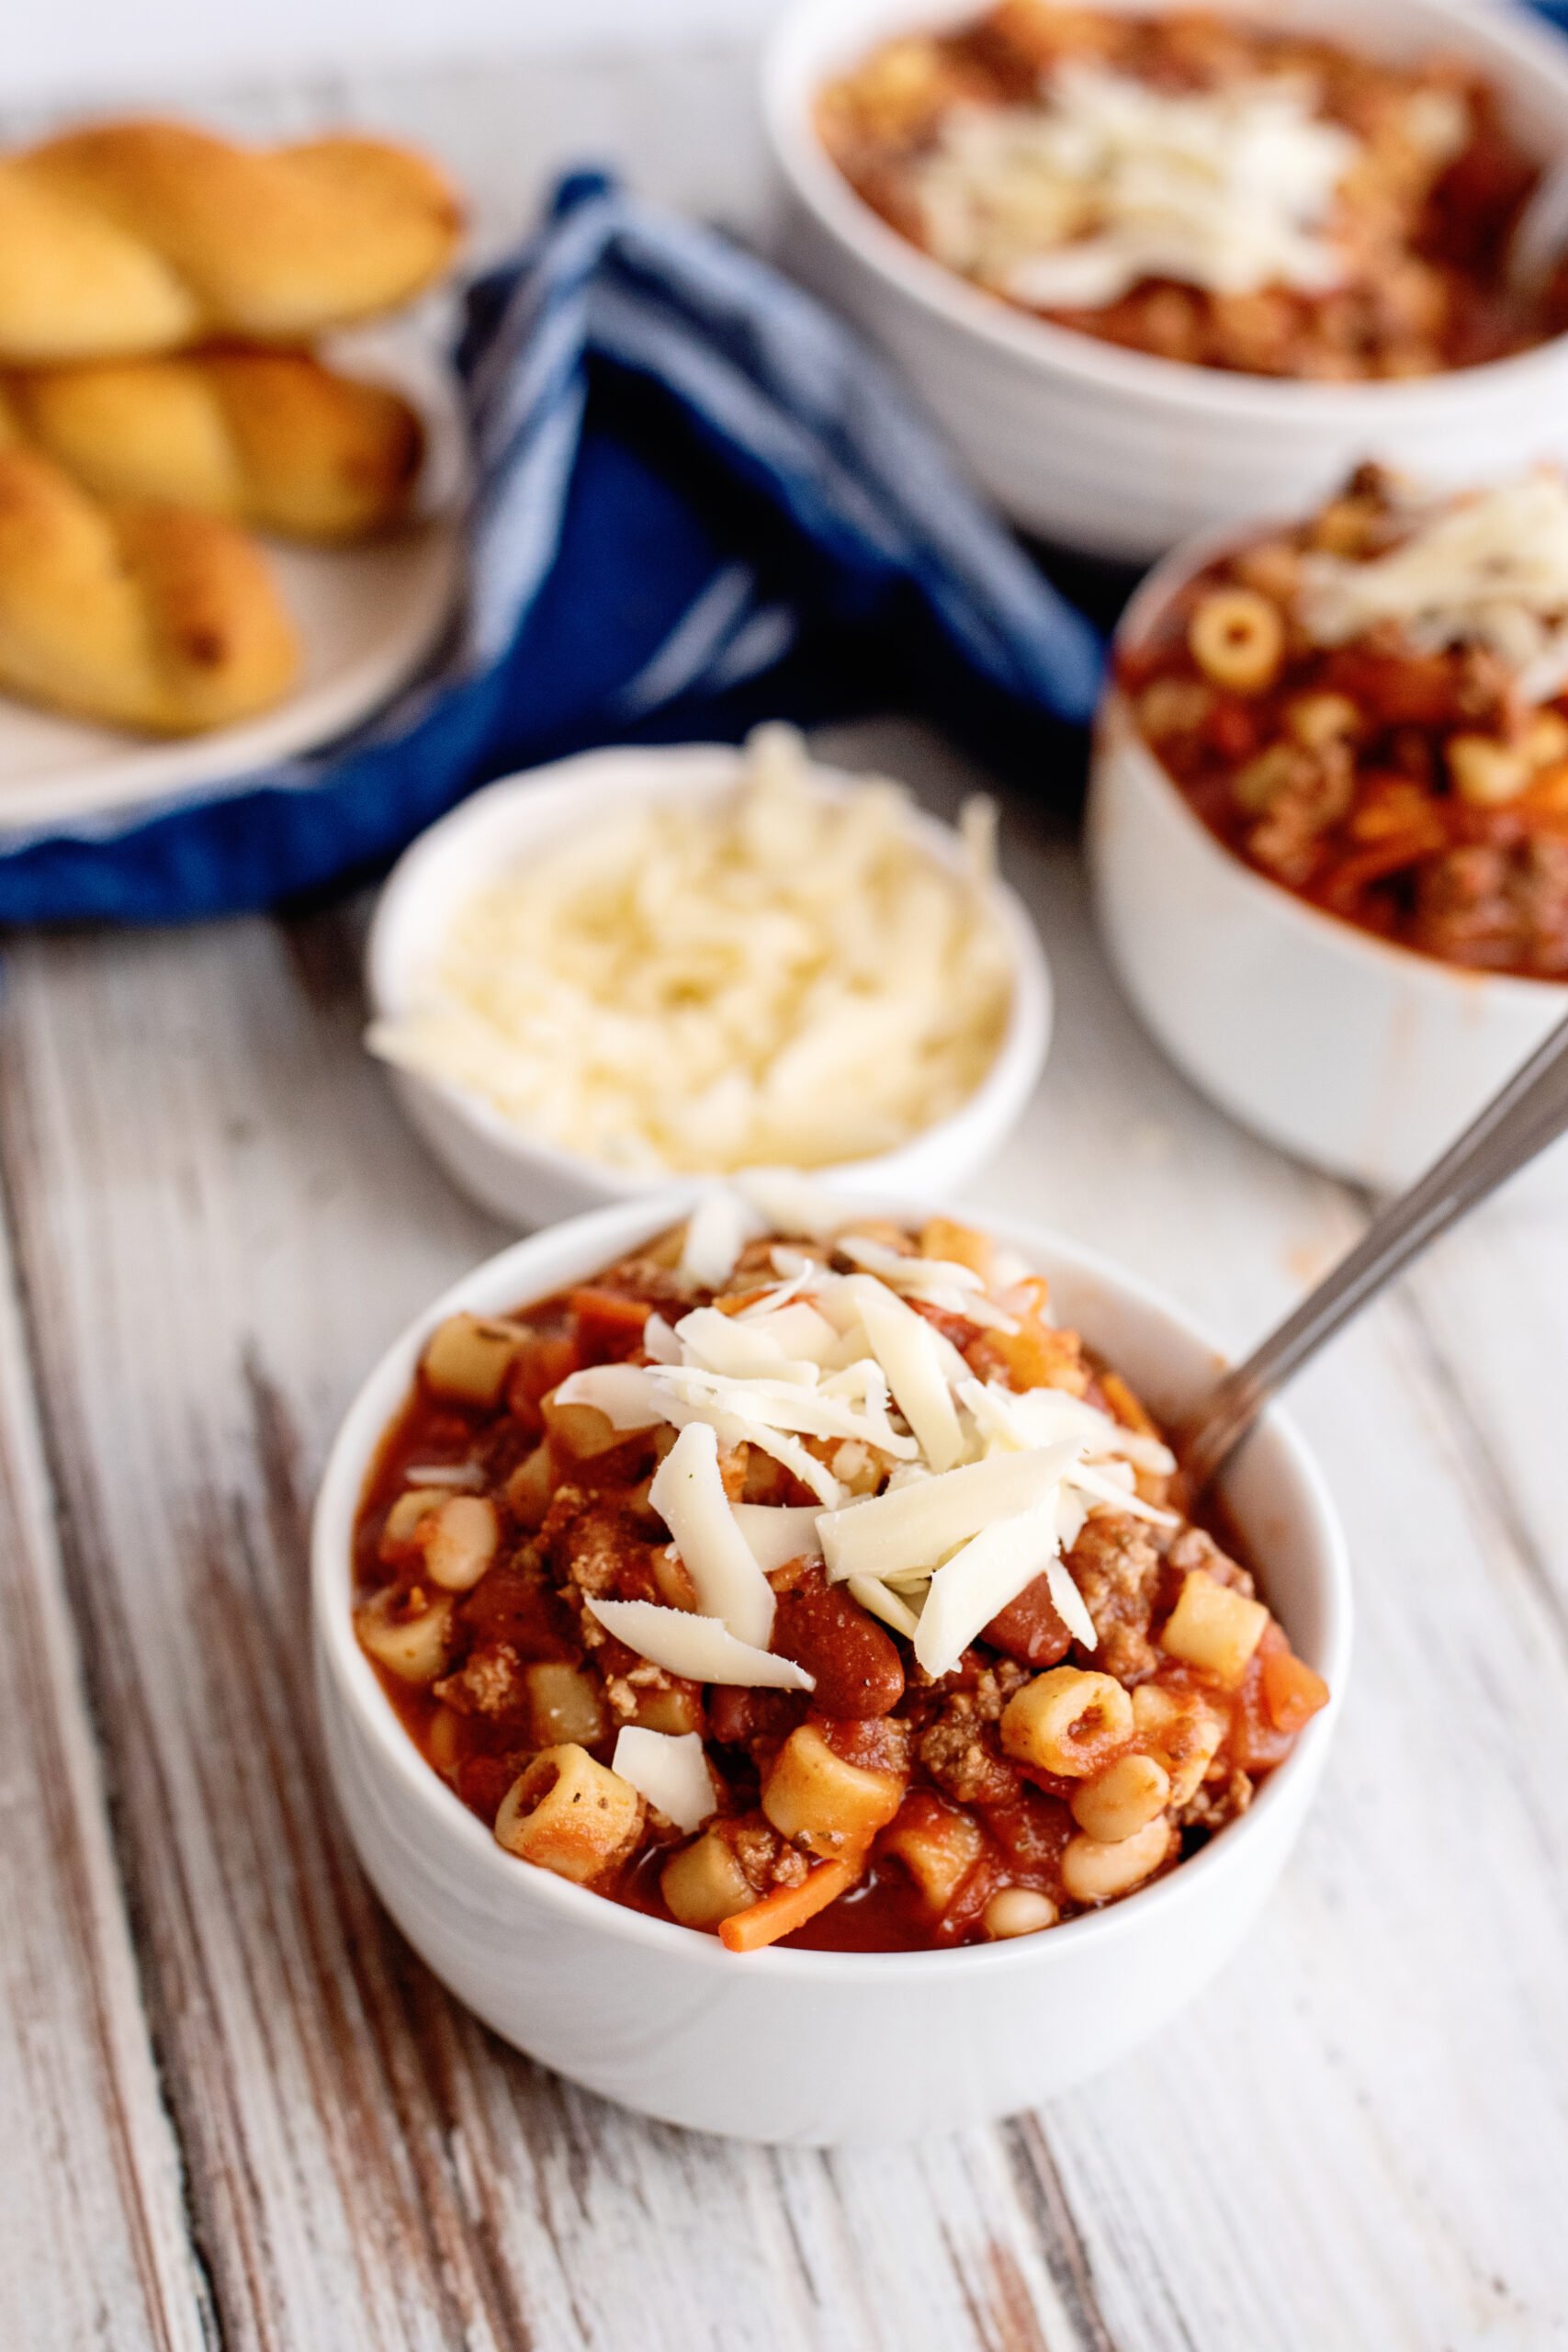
point(1128, 1408)
point(612, 1306)
point(1546, 800)
point(785, 1910)
point(1292, 1693)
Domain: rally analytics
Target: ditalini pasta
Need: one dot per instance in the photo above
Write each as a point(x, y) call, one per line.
point(799, 1578)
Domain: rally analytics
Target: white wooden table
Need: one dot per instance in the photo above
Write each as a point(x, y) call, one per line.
point(235, 2111)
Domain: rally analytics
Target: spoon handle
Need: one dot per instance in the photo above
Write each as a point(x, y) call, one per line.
point(1530, 1112)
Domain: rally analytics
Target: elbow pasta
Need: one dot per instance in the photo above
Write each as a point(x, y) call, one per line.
point(882, 1808)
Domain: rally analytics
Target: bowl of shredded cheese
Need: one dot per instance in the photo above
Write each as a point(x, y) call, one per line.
point(642, 964)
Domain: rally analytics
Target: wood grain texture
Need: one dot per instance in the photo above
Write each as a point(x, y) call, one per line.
point(1360, 2135)
point(93, 2239)
point(220, 1220)
point(235, 2110)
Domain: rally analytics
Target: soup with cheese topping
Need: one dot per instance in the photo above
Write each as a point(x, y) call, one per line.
point(1202, 188)
point(799, 1579)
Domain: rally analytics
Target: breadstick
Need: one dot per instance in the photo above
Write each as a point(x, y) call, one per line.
point(132, 237)
point(272, 439)
point(140, 615)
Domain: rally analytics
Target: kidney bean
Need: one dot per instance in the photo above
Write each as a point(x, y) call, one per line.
point(737, 1716)
point(1030, 1628)
point(856, 1664)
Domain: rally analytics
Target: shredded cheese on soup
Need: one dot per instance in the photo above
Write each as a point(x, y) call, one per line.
point(779, 977)
point(1490, 569)
point(1071, 201)
point(982, 1488)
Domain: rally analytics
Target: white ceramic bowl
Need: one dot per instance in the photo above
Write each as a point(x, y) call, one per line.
point(1114, 451)
point(528, 1181)
point(1363, 1057)
point(803, 2046)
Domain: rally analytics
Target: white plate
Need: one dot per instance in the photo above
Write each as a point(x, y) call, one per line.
point(366, 617)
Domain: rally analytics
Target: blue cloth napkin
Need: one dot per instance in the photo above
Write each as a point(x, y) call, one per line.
point(700, 501)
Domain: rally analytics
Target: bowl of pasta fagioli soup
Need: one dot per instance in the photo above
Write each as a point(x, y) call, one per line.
point(774, 1673)
point(1155, 265)
point(1328, 825)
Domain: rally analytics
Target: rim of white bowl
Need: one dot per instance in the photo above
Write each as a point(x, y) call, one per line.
point(618, 1227)
point(1119, 736)
point(653, 770)
point(792, 66)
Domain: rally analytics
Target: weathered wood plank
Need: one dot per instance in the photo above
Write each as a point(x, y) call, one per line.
point(93, 2241)
point(1353, 2136)
point(222, 1220)
point(1354, 2080)
point(1359, 2136)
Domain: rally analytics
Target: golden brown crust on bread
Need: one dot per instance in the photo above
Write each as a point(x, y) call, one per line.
point(273, 439)
point(132, 237)
point(140, 615)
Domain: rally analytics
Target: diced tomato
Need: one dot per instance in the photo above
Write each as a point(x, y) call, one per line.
point(608, 1324)
point(1256, 1743)
point(1396, 690)
point(544, 1360)
point(1033, 1832)
point(1292, 1693)
point(1231, 731)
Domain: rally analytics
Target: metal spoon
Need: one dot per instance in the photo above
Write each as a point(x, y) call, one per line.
point(1530, 1112)
point(1539, 234)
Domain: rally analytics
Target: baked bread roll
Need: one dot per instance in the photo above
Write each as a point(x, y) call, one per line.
point(140, 615)
point(272, 439)
point(131, 237)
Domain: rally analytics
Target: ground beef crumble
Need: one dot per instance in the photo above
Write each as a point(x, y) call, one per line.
point(1116, 1565)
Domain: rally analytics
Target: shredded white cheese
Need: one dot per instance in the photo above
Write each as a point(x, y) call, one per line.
point(935, 1281)
point(671, 1770)
point(988, 1572)
point(716, 1231)
point(1069, 202)
point(700, 1649)
point(687, 1492)
point(1491, 570)
point(907, 1349)
point(778, 978)
point(915, 1527)
point(777, 1533)
point(973, 1489)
